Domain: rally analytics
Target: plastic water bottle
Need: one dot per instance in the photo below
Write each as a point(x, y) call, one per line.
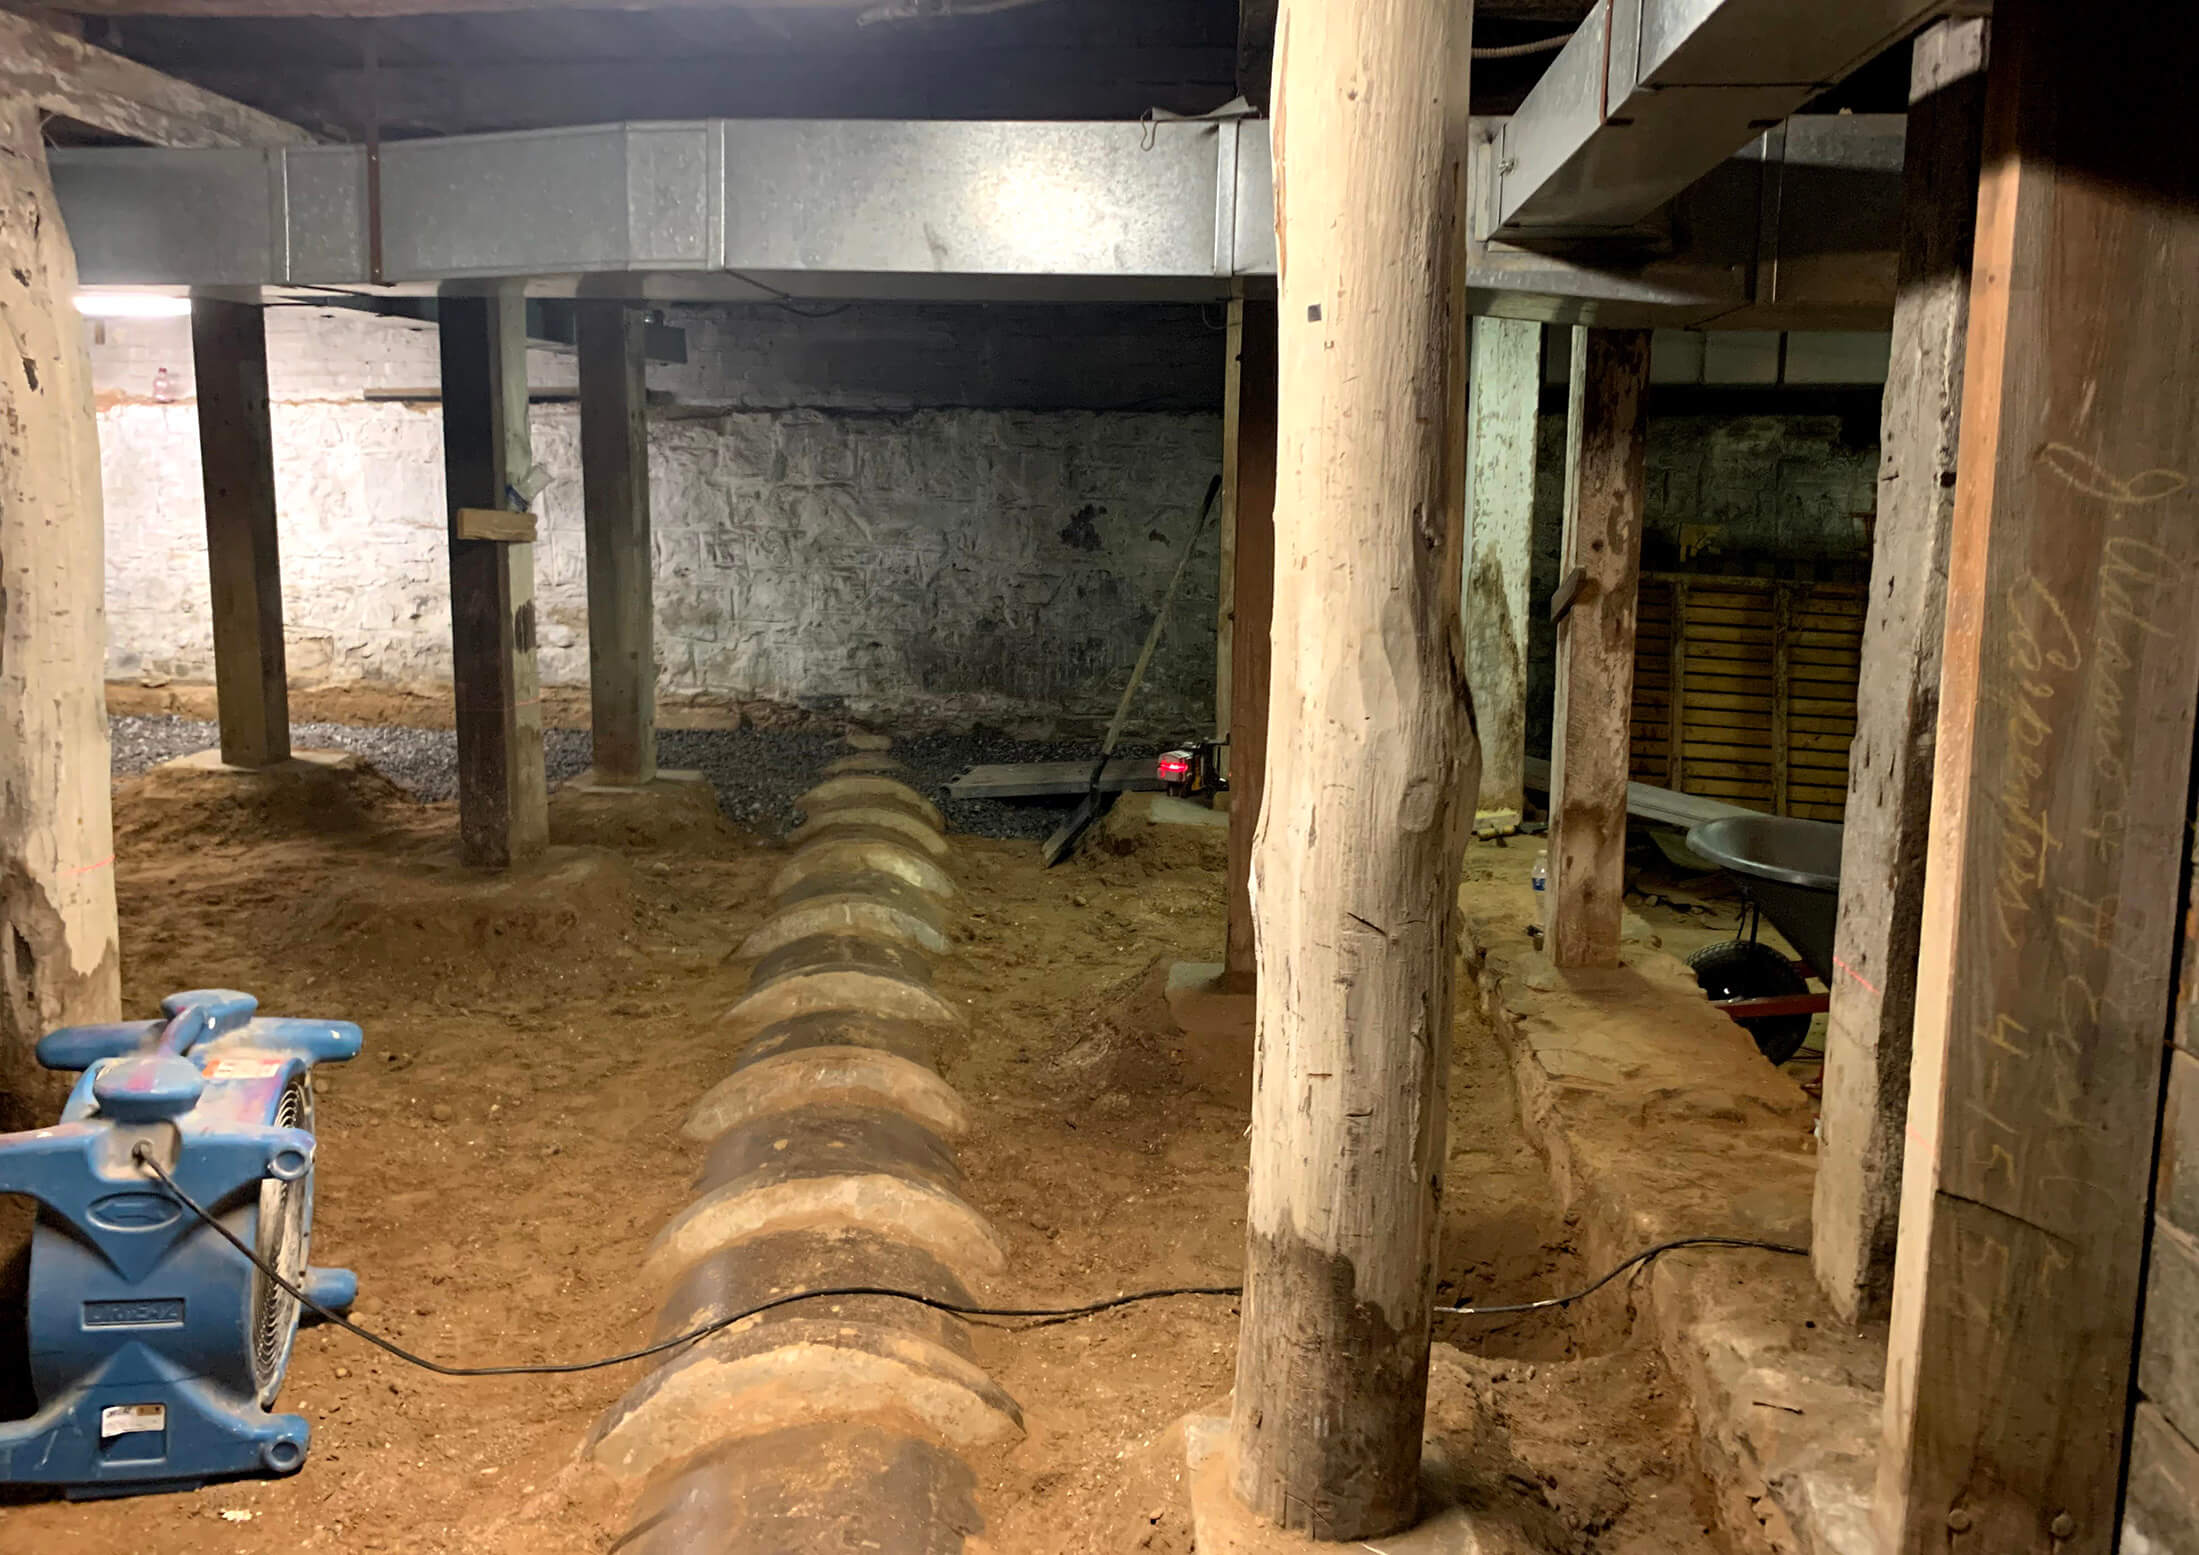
point(164, 388)
point(1541, 876)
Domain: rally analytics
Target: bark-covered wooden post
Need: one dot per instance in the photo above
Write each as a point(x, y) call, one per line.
point(243, 556)
point(1897, 698)
point(1372, 767)
point(57, 895)
point(614, 473)
point(1250, 480)
point(2052, 896)
point(1592, 723)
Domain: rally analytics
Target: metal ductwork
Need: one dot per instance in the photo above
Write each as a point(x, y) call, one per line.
point(1651, 95)
point(921, 210)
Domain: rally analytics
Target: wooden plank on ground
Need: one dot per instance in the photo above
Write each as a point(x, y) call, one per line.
point(2063, 776)
point(1054, 779)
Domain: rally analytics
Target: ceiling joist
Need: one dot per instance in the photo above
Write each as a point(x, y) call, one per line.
point(882, 10)
point(121, 97)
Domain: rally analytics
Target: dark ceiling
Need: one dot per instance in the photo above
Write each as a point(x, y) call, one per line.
point(487, 69)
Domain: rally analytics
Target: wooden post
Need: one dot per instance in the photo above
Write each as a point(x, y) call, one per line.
point(1590, 744)
point(1505, 390)
point(237, 466)
point(2068, 687)
point(1372, 764)
point(1676, 694)
point(57, 895)
point(1249, 480)
point(1225, 580)
point(1782, 694)
point(503, 801)
point(1897, 696)
point(614, 465)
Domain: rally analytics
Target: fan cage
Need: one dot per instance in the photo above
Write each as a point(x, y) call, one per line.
point(285, 1215)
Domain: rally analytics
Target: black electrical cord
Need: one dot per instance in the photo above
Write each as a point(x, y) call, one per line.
point(1641, 1257)
point(143, 1155)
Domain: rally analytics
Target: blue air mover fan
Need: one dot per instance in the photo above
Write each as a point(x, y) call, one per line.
point(156, 1348)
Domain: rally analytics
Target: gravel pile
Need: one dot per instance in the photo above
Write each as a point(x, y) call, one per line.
point(758, 773)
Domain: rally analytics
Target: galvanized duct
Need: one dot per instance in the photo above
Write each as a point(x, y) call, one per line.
point(838, 1422)
point(1796, 231)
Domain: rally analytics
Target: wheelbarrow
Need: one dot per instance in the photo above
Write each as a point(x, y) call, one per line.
point(1788, 871)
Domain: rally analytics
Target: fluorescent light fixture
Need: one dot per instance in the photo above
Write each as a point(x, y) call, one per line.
point(131, 305)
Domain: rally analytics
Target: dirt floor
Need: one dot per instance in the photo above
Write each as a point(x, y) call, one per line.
point(496, 1162)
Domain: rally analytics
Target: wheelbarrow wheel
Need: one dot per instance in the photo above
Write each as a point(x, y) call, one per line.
point(1751, 969)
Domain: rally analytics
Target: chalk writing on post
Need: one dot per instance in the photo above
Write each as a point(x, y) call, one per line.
point(2062, 684)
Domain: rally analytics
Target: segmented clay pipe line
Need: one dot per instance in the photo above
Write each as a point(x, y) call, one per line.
point(845, 1422)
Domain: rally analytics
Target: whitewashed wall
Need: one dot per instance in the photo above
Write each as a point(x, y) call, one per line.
point(964, 563)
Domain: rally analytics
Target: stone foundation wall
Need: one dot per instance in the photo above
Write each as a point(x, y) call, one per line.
point(960, 563)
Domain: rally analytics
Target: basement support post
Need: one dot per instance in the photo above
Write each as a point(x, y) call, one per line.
point(503, 800)
point(237, 466)
point(1249, 481)
point(1605, 483)
point(614, 465)
point(1897, 702)
point(2069, 681)
point(1372, 765)
point(1505, 390)
point(57, 896)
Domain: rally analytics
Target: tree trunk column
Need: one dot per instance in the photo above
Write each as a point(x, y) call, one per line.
point(1372, 769)
point(2061, 802)
point(1592, 725)
point(237, 465)
point(57, 898)
point(1505, 390)
point(1889, 811)
point(614, 464)
point(1250, 474)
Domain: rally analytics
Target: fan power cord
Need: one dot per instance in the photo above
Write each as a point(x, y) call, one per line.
point(142, 1154)
point(1548, 1303)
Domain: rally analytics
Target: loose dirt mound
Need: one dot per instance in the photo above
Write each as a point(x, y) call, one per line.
point(665, 817)
point(550, 920)
point(1129, 844)
point(185, 807)
point(1121, 1045)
